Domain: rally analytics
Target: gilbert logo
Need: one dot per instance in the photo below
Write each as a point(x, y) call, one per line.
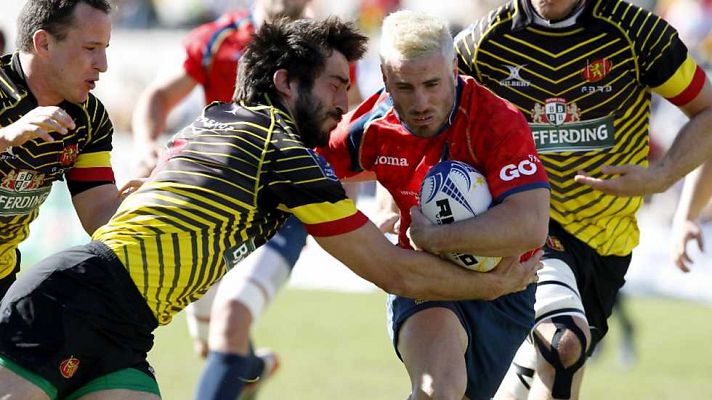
point(514, 79)
point(68, 367)
point(397, 161)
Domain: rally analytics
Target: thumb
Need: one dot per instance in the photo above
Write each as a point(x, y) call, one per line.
point(417, 216)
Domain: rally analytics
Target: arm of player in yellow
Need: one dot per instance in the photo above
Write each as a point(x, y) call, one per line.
point(420, 275)
point(95, 206)
point(692, 146)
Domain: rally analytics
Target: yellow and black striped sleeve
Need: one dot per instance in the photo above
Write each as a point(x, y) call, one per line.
point(93, 164)
point(306, 186)
point(664, 63)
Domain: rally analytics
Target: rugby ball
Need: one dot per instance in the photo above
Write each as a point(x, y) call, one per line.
point(454, 191)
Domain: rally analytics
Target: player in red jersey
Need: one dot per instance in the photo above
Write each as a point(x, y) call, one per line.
point(428, 113)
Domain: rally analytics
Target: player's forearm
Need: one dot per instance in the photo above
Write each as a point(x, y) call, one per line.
point(696, 192)
point(426, 277)
point(150, 116)
point(692, 146)
point(409, 273)
point(508, 229)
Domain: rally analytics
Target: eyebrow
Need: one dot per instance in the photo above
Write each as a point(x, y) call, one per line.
point(341, 79)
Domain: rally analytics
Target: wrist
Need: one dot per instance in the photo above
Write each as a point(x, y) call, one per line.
point(662, 177)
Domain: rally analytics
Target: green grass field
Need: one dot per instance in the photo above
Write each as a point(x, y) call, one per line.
point(335, 346)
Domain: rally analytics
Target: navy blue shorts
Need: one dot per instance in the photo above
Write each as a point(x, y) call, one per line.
point(495, 330)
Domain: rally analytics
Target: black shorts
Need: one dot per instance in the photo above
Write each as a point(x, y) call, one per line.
point(74, 317)
point(598, 278)
point(8, 280)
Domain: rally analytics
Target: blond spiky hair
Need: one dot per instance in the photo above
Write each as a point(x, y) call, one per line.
point(408, 35)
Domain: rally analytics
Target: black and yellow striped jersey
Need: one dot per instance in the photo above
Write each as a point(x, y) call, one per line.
point(224, 185)
point(584, 85)
point(82, 156)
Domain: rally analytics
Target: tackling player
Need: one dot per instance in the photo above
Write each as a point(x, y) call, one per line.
point(80, 322)
point(429, 113)
point(51, 127)
point(212, 53)
point(583, 73)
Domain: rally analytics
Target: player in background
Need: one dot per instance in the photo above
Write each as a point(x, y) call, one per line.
point(212, 53)
point(695, 196)
point(51, 127)
point(80, 323)
point(428, 113)
point(582, 72)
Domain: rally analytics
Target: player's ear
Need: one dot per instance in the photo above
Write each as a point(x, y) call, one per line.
point(282, 83)
point(454, 67)
point(40, 42)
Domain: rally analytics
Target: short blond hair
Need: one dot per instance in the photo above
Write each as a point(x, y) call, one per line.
point(407, 35)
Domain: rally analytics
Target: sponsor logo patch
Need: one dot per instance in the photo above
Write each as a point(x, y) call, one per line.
point(513, 171)
point(557, 127)
point(234, 255)
point(388, 160)
point(555, 111)
point(324, 165)
point(21, 191)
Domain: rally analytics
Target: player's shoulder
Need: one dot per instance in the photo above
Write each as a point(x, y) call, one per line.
point(474, 95)
point(485, 109)
point(493, 22)
point(206, 31)
point(628, 18)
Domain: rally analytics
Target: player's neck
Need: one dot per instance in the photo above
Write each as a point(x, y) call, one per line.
point(550, 16)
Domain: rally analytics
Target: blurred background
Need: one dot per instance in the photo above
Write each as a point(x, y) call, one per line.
point(329, 325)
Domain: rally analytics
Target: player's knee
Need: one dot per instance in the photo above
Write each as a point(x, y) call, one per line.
point(570, 350)
point(564, 353)
point(443, 385)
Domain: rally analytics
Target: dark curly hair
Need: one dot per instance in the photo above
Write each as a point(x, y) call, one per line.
point(54, 16)
point(301, 47)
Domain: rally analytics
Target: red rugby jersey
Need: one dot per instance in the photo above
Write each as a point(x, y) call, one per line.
point(213, 50)
point(483, 130)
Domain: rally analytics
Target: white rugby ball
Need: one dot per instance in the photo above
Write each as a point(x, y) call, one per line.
point(454, 191)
